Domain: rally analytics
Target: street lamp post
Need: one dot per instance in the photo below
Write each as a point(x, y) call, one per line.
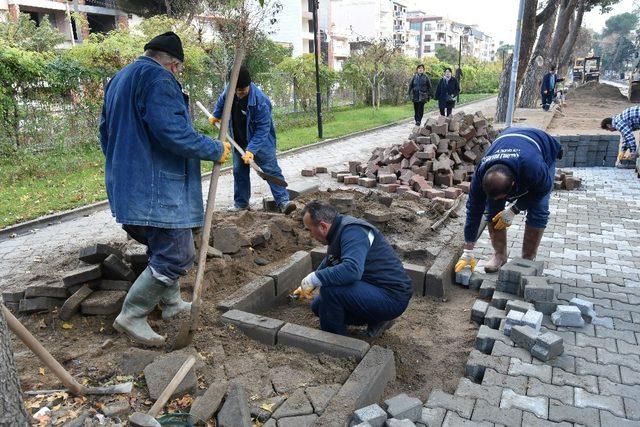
point(316, 54)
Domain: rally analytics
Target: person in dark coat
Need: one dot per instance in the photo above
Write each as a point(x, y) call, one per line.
point(420, 92)
point(548, 87)
point(519, 167)
point(361, 279)
point(446, 92)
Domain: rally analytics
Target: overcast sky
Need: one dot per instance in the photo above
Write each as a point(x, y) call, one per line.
point(498, 17)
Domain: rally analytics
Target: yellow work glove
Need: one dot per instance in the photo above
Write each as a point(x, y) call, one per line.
point(248, 157)
point(226, 151)
point(466, 260)
point(503, 219)
point(214, 121)
point(302, 294)
point(621, 155)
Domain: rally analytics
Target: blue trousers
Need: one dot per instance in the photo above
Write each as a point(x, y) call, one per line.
point(171, 250)
point(360, 303)
point(242, 182)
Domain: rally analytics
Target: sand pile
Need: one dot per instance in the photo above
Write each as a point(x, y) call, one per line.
point(597, 90)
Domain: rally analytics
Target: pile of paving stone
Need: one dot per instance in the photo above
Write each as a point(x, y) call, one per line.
point(401, 410)
point(565, 180)
point(436, 162)
point(98, 287)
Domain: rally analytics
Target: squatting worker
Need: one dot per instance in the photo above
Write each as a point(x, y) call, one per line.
point(361, 280)
point(626, 123)
point(519, 167)
point(153, 178)
point(252, 128)
point(420, 93)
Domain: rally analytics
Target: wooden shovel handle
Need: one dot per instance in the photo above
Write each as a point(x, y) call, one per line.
point(171, 387)
point(38, 349)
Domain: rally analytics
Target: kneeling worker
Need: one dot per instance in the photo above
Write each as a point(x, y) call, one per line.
point(361, 280)
point(519, 167)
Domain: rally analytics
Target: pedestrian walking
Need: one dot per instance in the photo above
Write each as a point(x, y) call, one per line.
point(446, 92)
point(548, 87)
point(420, 92)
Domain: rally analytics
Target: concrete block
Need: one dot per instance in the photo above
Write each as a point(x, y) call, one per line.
point(161, 371)
point(367, 182)
point(533, 319)
point(487, 288)
point(547, 346)
point(288, 276)
point(440, 275)
point(464, 276)
point(394, 422)
point(260, 328)
point(299, 421)
point(136, 255)
point(235, 411)
point(373, 414)
point(302, 189)
point(269, 204)
point(321, 395)
point(546, 307)
point(508, 287)
point(317, 341)
point(417, 274)
point(12, 296)
point(518, 305)
point(500, 299)
point(493, 317)
point(83, 275)
point(461, 405)
point(254, 297)
point(513, 271)
point(432, 416)
point(377, 216)
point(114, 285)
point(364, 386)
point(567, 315)
point(476, 279)
point(205, 406)
point(537, 405)
point(35, 305)
point(526, 263)
point(297, 404)
point(97, 253)
point(53, 290)
point(486, 338)
point(514, 318)
point(586, 308)
point(317, 255)
point(537, 288)
point(72, 304)
point(135, 360)
point(404, 407)
point(479, 310)
point(114, 268)
point(308, 172)
point(103, 303)
point(263, 415)
point(524, 336)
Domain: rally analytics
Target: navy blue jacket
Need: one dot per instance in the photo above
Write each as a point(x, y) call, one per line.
point(261, 134)
point(358, 251)
point(152, 151)
point(546, 83)
point(446, 90)
point(532, 164)
point(420, 88)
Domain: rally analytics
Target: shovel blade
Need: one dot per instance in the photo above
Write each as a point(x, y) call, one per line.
point(124, 388)
point(272, 179)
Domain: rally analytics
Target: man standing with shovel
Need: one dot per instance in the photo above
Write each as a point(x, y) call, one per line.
point(252, 128)
point(153, 179)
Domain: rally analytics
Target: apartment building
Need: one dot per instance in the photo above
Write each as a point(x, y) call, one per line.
point(102, 15)
point(294, 26)
point(365, 20)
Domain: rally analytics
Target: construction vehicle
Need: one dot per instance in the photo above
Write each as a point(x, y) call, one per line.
point(634, 82)
point(586, 69)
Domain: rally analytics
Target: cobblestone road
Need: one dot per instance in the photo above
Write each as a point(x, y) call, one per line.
point(18, 255)
point(591, 251)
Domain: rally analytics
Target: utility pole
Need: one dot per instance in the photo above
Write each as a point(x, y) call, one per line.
point(316, 54)
point(459, 72)
point(514, 67)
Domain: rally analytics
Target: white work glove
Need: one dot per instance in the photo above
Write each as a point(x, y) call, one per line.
point(310, 282)
point(504, 219)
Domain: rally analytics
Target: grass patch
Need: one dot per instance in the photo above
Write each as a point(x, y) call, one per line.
point(36, 184)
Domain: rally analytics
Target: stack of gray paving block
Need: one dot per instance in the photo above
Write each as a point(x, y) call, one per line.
point(543, 346)
point(400, 410)
point(510, 276)
point(538, 291)
point(585, 307)
point(588, 150)
point(479, 310)
point(567, 315)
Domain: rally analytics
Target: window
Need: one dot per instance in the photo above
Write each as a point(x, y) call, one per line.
point(311, 46)
point(310, 23)
point(310, 4)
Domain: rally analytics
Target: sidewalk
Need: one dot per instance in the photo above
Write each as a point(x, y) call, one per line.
point(24, 256)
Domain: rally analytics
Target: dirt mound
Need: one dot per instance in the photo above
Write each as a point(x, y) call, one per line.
point(596, 90)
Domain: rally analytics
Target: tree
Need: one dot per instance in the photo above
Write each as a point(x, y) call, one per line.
point(364, 70)
point(171, 8)
point(621, 24)
point(265, 55)
point(624, 50)
point(447, 54)
point(26, 35)
point(12, 412)
point(300, 71)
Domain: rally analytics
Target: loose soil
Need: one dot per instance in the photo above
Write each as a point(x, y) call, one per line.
point(585, 108)
point(431, 340)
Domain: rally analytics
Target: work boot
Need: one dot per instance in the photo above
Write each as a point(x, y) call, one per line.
point(144, 295)
point(531, 241)
point(499, 243)
point(288, 207)
point(172, 302)
point(376, 329)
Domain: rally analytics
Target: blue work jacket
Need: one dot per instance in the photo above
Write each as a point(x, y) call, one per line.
point(261, 134)
point(152, 151)
point(530, 154)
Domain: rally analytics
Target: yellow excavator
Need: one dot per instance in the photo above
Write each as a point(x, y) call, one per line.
point(586, 69)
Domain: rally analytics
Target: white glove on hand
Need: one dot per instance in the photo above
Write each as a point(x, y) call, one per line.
point(310, 282)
